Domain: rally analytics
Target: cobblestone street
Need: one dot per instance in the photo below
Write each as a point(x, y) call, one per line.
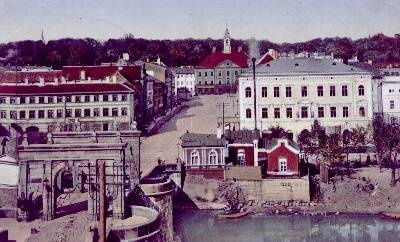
point(199, 117)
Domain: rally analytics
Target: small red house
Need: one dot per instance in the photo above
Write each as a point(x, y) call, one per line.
point(282, 158)
point(242, 147)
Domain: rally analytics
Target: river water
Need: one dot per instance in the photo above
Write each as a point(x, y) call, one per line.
point(203, 225)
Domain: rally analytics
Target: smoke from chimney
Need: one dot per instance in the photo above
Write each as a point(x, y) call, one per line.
point(254, 49)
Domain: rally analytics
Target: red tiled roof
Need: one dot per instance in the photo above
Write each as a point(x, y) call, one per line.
point(131, 73)
point(265, 59)
point(393, 64)
point(31, 76)
point(68, 88)
point(216, 58)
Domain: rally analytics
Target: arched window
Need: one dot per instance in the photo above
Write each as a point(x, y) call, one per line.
point(360, 90)
point(248, 92)
point(213, 158)
point(195, 158)
point(248, 113)
point(361, 111)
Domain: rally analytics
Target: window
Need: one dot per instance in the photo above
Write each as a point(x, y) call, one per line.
point(320, 91)
point(321, 112)
point(205, 74)
point(50, 99)
point(276, 91)
point(2, 99)
point(264, 113)
point(96, 98)
point(212, 73)
point(332, 91)
point(13, 100)
point(288, 91)
point(248, 92)
point(3, 114)
point(115, 97)
point(248, 113)
point(304, 112)
point(345, 112)
point(22, 100)
point(124, 111)
point(289, 113)
point(105, 98)
point(68, 99)
point(277, 113)
point(282, 164)
point(50, 113)
point(22, 114)
point(77, 99)
point(68, 113)
point(32, 114)
point(59, 113)
point(199, 74)
point(304, 91)
point(78, 113)
point(32, 99)
point(87, 99)
point(219, 73)
point(241, 157)
point(86, 112)
point(264, 92)
point(227, 74)
point(333, 112)
point(124, 97)
point(96, 112)
point(195, 158)
point(391, 104)
point(41, 100)
point(59, 99)
point(213, 158)
point(360, 90)
point(114, 112)
point(105, 112)
point(13, 114)
point(236, 73)
point(361, 112)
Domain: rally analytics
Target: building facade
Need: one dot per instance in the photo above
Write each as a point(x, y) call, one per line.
point(184, 79)
point(218, 73)
point(292, 93)
point(388, 96)
point(63, 106)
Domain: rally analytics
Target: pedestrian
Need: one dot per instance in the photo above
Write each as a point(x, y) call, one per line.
point(334, 185)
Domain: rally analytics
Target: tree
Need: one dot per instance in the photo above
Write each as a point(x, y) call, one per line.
point(235, 198)
point(318, 141)
point(332, 151)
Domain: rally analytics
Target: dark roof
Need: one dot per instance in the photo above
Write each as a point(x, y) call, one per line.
point(268, 144)
point(31, 76)
point(215, 58)
point(306, 66)
point(131, 73)
point(184, 70)
point(242, 136)
point(201, 140)
point(366, 67)
point(69, 88)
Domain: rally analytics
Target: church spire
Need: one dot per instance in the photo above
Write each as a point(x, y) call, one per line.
point(42, 38)
point(227, 41)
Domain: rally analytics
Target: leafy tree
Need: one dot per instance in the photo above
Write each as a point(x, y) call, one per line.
point(332, 151)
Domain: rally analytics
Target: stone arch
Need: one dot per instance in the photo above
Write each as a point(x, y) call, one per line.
point(32, 128)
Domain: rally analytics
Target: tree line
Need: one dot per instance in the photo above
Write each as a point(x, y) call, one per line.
point(69, 51)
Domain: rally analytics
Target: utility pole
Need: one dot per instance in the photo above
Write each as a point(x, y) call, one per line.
point(102, 205)
point(223, 113)
point(254, 92)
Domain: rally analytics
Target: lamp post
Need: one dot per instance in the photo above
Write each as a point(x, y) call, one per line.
point(254, 92)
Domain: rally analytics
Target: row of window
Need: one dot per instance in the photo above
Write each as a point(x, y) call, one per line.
point(219, 73)
point(392, 90)
point(68, 98)
point(304, 91)
point(304, 112)
point(212, 158)
point(69, 113)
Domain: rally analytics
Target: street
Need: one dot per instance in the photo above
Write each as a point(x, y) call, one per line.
point(199, 117)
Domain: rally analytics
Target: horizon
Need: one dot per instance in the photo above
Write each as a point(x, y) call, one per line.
point(275, 21)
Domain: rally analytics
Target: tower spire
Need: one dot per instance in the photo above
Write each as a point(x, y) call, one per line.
point(42, 38)
point(227, 40)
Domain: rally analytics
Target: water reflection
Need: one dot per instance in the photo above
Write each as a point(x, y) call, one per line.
point(199, 226)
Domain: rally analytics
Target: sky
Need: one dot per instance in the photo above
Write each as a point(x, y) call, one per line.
point(275, 20)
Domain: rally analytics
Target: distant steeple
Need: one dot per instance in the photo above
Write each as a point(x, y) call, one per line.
point(227, 41)
point(42, 38)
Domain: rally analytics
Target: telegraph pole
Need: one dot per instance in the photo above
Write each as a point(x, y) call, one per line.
point(102, 205)
point(254, 92)
point(223, 104)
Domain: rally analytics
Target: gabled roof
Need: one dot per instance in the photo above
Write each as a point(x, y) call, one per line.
point(275, 143)
point(201, 140)
point(242, 136)
point(131, 73)
point(214, 59)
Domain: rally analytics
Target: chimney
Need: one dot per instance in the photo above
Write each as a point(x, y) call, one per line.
point(26, 81)
point(159, 61)
point(240, 49)
point(56, 81)
point(214, 49)
point(114, 79)
point(125, 56)
point(41, 81)
point(219, 133)
point(83, 75)
point(62, 79)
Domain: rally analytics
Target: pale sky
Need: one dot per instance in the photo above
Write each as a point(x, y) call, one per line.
point(275, 20)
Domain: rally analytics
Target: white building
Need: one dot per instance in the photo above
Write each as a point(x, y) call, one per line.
point(86, 105)
point(184, 78)
point(292, 93)
point(387, 93)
